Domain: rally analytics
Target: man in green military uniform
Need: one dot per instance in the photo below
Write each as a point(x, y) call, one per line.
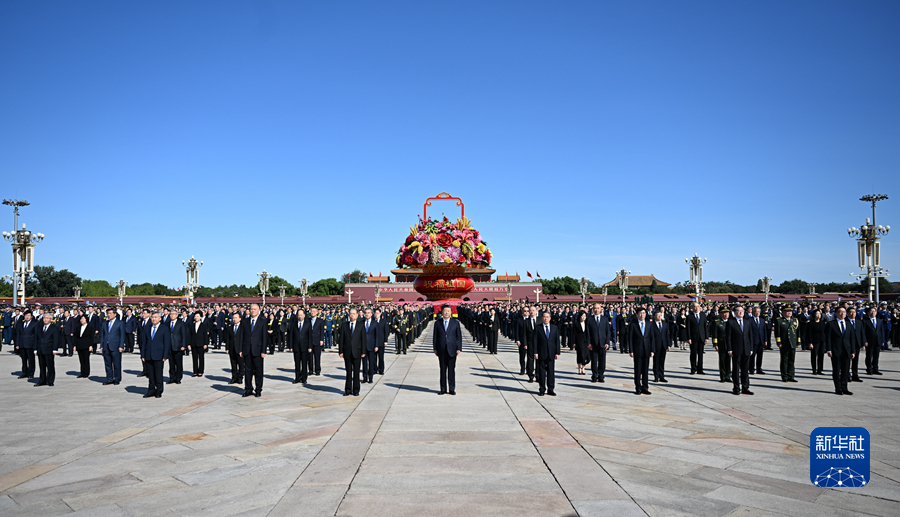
point(786, 337)
point(718, 339)
point(400, 326)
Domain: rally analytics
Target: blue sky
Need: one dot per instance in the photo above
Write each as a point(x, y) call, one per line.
point(303, 137)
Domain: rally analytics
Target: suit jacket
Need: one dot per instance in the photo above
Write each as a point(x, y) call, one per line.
point(447, 342)
point(759, 333)
point(49, 341)
point(599, 334)
point(841, 343)
point(178, 335)
point(525, 332)
point(545, 347)
point(70, 325)
point(352, 345)
point(112, 338)
point(663, 337)
point(873, 334)
point(385, 329)
point(157, 347)
point(233, 340)
point(301, 337)
point(738, 341)
point(197, 337)
point(316, 331)
point(26, 337)
point(697, 331)
point(374, 339)
point(130, 324)
point(642, 345)
point(85, 340)
point(256, 339)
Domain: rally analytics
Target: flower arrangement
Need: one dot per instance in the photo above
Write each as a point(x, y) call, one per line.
point(444, 243)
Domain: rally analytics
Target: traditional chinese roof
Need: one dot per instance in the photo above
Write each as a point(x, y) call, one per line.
point(638, 281)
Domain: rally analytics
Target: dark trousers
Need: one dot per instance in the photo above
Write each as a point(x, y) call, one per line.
point(27, 355)
point(526, 361)
point(70, 345)
point(546, 373)
point(840, 371)
point(641, 370)
point(854, 366)
point(176, 366)
point(48, 368)
point(873, 350)
point(351, 368)
point(301, 364)
point(741, 371)
point(113, 361)
point(492, 347)
point(379, 361)
point(154, 376)
point(523, 351)
point(84, 359)
point(447, 363)
point(253, 369)
point(367, 364)
point(757, 357)
point(598, 364)
point(696, 356)
point(659, 364)
point(724, 364)
point(788, 354)
point(817, 357)
point(237, 366)
point(198, 360)
point(129, 342)
point(316, 360)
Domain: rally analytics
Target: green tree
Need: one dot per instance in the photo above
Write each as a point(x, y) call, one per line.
point(97, 288)
point(326, 287)
point(354, 277)
point(795, 286)
point(275, 281)
point(561, 285)
point(48, 282)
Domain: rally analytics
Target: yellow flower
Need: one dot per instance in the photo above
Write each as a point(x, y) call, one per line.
point(462, 223)
point(456, 243)
point(398, 259)
point(448, 260)
point(480, 248)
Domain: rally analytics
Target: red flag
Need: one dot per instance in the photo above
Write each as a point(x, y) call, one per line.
point(370, 273)
point(529, 275)
point(538, 274)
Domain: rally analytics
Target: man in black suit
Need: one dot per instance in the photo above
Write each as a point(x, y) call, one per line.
point(546, 351)
point(301, 345)
point(842, 345)
point(374, 343)
point(526, 341)
point(447, 344)
point(599, 335)
point(352, 348)
point(70, 323)
point(873, 330)
point(131, 327)
point(385, 333)
point(154, 353)
point(178, 340)
point(26, 338)
point(317, 340)
point(48, 340)
point(643, 346)
point(697, 335)
point(233, 336)
point(857, 327)
point(254, 350)
point(739, 343)
point(663, 339)
point(759, 336)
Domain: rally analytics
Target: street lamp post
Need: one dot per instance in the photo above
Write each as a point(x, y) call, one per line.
point(23, 242)
point(263, 284)
point(537, 293)
point(349, 296)
point(509, 293)
point(696, 266)
point(868, 245)
point(377, 292)
point(766, 285)
point(77, 292)
point(812, 287)
point(584, 288)
point(604, 294)
point(281, 289)
point(192, 267)
point(120, 289)
point(623, 282)
point(304, 289)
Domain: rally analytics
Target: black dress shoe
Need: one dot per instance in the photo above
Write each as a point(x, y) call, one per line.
point(40, 384)
point(637, 392)
point(601, 380)
point(452, 392)
point(296, 382)
point(848, 392)
point(593, 380)
point(551, 393)
point(51, 384)
point(21, 377)
point(838, 392)
point(693, 373)
point(159, 395)
point(257, 394)
point(760, 372)
point(736, 392)
point(115, 383)
point(246, 394)
point(522, 372)
point(148, 395)
point(746, 392)
point(792, 380)
point(107, 383)
point(876, 373)
point(355, 393)
point(645, 392)
point(540, 394)
point(664, 380)
point(701, 372)
point(442, 393)
point(856, 379)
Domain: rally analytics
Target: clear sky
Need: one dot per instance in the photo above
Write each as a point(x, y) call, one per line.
point(303, 137)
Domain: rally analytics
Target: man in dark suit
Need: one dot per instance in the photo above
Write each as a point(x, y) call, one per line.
point(112, 344)
point(178, 340)
point(233, 336)
point(383, 328)
point(546, 350)
point(317, 340)
point(96, 322)
point(374, 343)
point(68, 331)
point(301, 345)
point(873, 331)
point(47, 341)
point(526, 341)
point(739, 343)
point(842, 345)
point(599, 335)
point(759, 335)
point(25, 337)
point(254, 350)
point(352, 348)
point(154, 353)
point(643, 346)
point(447, 344)
point(857, 327)
point(697, 335)
point(663, 339)
point(131, 326)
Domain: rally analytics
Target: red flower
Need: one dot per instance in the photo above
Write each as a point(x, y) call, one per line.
point(410, 239)
point(408, 260)
point(487, 256)
point(462, 259)
point(444, 240)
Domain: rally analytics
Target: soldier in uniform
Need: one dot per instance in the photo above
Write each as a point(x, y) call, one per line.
point(400, 326)
point(787, 332)
point(720, 327)
point(329, 327)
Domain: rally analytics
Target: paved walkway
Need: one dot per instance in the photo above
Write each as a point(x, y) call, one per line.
point(691, 448)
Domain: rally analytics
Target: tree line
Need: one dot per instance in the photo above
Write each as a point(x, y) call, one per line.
point(567, 285)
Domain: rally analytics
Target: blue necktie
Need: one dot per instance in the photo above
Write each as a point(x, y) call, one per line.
point(842, 327)
point(642, 328)
point(252, 324)
point(367, 326)
point(152, 333)
point(547, 331)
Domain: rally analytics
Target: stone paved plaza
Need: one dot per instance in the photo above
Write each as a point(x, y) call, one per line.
point(690, 448)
